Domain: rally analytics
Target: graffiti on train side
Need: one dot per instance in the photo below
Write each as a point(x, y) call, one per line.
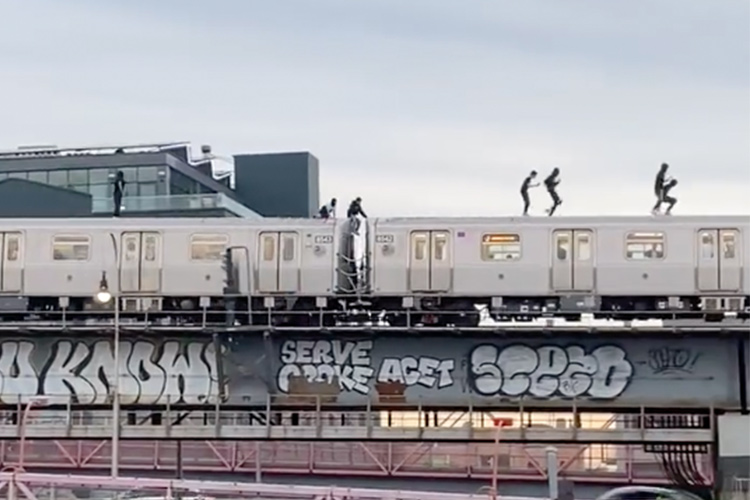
point(150, 373)
point(548, 371)
point(329, 366)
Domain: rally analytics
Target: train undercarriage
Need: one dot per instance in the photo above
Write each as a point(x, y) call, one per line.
point(398, 312)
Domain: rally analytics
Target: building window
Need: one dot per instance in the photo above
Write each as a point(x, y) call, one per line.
point(100, 190)
point(645, 246)
point(100, 176)
point(78, 177)
point(18, 175)
point(71, 247)
point(208, 246)
point(39, 176)
point(58, 178)
point(147, 174)
point(502, 247)
point(147, 189)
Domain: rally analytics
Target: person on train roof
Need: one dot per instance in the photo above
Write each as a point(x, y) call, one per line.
point(355, 208)
point(669, 199)
point(527, 184)
point(329, 210)
point(551, 183)
point(659, 185)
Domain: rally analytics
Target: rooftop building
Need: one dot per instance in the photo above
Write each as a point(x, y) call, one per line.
point(165, 179)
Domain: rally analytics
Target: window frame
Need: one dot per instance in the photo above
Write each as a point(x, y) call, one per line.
point(55, 243)
point(193, 242)
point(485, 244)
point(644, 235)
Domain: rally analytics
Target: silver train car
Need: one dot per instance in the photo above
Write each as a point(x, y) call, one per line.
point(517, 267)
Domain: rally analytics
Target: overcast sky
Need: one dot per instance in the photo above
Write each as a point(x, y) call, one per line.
point(422, 107)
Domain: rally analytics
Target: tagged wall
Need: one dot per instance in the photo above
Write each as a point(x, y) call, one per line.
point(618, 371)
point(622, 371)
point(151, 371)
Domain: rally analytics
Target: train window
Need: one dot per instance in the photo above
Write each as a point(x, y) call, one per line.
point(728, 245)
point(439, 251)
point(583, 247)
point(12, 247)
point(708, 246)
point(562, 246)
point(149, 250)
point(645, 246)
point(420, 246)
point(269, 248)
point(207, 246)
point(501, 247)
point(287, 251)
point(70, 247)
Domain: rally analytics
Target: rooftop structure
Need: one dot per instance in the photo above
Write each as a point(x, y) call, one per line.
point(163, 179)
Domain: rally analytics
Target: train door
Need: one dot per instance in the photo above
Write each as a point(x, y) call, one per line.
point(719, 265)
point(278, 262)
point(140, 262)
point(430, 261)
point(573, 260)
point(11, 264)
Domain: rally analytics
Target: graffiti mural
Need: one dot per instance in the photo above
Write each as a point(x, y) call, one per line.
point(542, 372)
point(322, 366)
point(410, 370)
point(427, 370)
point(150, 372)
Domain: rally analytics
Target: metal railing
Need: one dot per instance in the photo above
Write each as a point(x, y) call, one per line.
point(596, 463)
point(292, 422)
point(185, 202)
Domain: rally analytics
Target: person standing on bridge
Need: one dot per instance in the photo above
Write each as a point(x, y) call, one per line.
point(527, 184)
point(551, 183)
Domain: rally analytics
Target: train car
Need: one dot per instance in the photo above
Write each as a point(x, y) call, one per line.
point(519, 267)
point(167, 264)
point(290, 270)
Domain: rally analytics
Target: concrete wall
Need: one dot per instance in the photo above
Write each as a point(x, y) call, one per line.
point(278, 185)
point(607, 372)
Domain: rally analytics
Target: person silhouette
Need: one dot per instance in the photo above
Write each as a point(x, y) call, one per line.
point(119, 190)
point(551, 183)
point(527, 184)
point(669, 199)
point(659, 184)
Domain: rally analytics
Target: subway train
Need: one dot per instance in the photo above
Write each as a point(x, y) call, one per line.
point(442, 271)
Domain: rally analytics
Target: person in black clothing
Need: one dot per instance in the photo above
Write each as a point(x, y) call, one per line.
point(551, 183)
point(527, 183)
point(355, 208)
point(118, 192)
point(659, 185)
point(669, 199)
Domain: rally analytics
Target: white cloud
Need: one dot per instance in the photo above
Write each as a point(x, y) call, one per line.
point(435, 106)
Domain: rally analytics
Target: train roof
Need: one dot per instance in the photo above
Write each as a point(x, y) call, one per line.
point(192, 222)
point(575, 220)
